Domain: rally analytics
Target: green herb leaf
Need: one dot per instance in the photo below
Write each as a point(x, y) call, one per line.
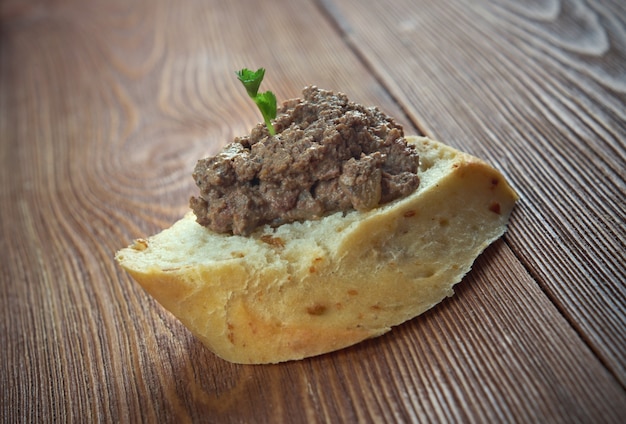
point(266, 102)
point(251, 80)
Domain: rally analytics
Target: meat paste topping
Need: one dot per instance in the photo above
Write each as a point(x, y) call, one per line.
point(329, 154)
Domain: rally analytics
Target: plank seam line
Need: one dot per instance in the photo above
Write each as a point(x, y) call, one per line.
point(331, 13)
point(333, 16)
point(561, 309)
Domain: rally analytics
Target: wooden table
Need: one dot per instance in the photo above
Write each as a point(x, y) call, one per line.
point(105, 106)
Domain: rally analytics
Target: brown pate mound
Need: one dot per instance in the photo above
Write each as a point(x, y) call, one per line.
point(328, 155)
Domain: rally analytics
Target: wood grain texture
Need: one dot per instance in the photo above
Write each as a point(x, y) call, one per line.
point(539, 88)
point(106, 105)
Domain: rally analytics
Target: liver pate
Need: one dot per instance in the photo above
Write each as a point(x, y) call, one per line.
point(328, 155)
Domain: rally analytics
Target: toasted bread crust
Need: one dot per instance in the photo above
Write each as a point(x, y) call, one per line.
point(309, 288)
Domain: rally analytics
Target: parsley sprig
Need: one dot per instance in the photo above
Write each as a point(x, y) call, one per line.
point(266, 101)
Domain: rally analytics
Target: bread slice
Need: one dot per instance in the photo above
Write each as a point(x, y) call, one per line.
point(308, 288)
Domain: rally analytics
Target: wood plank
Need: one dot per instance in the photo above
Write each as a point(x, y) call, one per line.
point(538, 89)
point(104, 109)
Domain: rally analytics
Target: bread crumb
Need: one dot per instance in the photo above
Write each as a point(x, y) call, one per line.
point(230, 335)
point(317, 309)
point(140, 245)
point(273, 241)
point(495, 208)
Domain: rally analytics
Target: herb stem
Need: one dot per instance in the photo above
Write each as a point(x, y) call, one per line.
point(266, 101)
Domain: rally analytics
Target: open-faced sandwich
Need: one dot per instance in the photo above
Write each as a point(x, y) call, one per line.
point(324, 228)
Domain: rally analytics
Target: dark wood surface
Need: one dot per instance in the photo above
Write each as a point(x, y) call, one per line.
point(106, 105)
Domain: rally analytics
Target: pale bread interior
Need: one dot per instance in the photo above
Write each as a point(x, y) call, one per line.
point(304, 289)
